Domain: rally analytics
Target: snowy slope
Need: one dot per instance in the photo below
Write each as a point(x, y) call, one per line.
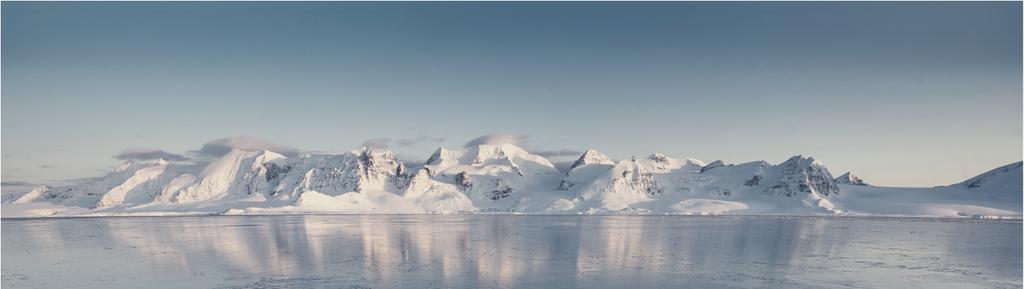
point(497, 177)
point(660, 184)
point(850, 179)
point(125, 182)
point(503, 178)
point(1002, 183)
point(993, 193)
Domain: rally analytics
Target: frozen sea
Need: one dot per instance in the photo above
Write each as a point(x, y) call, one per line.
point(510, 251)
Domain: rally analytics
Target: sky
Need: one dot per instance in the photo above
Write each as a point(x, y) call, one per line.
point(902, 94)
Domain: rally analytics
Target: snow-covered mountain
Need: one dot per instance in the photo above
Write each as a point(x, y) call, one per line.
point(503, 178)
point(1004, 181)
point(850, 179)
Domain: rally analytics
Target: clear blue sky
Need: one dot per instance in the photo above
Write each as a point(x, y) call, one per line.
point(911, 94)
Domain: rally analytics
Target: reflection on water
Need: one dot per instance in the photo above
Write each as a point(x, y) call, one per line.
point(509, 252)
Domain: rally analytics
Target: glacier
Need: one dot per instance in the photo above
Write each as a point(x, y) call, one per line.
point(502, 178)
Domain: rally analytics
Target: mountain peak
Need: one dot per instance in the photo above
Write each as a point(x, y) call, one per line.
point(139, 163)
point(658, 157)
point(806, 175)
point(662, 163)
point(802, 161)
point(439, 155)
point(493, 177)
point(362, 150)
point(591, 156)
point(850, 179)
point(1008, 176)
point(483, 153)
point(369, 151)
point(712, 165)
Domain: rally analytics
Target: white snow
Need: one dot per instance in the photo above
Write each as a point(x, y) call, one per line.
point(850, 179)
point(32, 195)
point(504, 178)
point(707, 207)
point(38, 209)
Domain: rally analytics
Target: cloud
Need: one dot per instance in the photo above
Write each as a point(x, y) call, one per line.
point(563, 166)
point(558, 153)
point(219, 147)
point(377, 143)
point(384, 143)
point(149, 154)
point(14, 184)
point(497, 138)
point(430, 139)
point(405, 142)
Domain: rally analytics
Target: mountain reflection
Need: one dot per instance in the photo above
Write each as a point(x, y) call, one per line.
point(488, 251)
point(473, 251)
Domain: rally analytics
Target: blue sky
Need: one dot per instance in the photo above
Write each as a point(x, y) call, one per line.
point(910, 94)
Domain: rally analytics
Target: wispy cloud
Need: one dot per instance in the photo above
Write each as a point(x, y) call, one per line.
point(219, 147)
point(405, 142)
point(14, 184)
point(558, 153)
point(384, 143)
point(496, 138)
point(563, 166)
point(149, 154)
point(377, 143)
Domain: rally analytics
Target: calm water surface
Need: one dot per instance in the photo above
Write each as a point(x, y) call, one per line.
point(509, 252)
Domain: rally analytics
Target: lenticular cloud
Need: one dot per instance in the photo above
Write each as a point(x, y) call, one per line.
point(497, 138)
point(219, 147)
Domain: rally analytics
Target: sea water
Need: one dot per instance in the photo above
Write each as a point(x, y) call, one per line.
point(510, 251)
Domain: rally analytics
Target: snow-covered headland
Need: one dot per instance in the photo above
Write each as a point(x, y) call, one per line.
point(503, 178)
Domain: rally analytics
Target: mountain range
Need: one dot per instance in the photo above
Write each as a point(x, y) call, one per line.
point(503, 178)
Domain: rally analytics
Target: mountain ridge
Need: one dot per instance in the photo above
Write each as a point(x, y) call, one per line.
point(491, 178)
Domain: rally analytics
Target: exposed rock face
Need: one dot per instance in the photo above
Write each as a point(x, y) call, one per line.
point(402, 176)
point(660, 163)
point(850, 179)
point(486, 178)
point(566, 185)
point(239, 174)
point(361, 170)
point(500, 191)
point(375, 169)
point(801, 175)
point(419, 182)
point(659, 158)
point(463, 182)
point(588, 164)
point(756, 180)
point(639, 179)
point(275, 171)
point(711, 166)
point(591, 157)
point(442, 155)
